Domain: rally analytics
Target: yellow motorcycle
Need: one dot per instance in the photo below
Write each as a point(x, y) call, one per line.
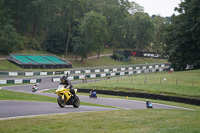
point(65, 97)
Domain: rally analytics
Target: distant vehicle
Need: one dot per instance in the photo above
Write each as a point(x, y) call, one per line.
point(93, 94)
point(149, 104)
point(35, 88)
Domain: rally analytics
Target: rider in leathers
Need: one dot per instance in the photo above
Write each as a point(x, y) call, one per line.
point(66, 82)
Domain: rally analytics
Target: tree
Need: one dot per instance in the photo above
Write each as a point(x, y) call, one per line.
point(143, 30)
point(93, 31)
point(74, 10)
point(79, 48)
point(54, 42)
point(1, 11)
point(134, 7)
point(9, 39)
point(158, 44)
point(183, 36)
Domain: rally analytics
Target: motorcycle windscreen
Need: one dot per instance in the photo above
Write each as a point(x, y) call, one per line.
point(60, 87)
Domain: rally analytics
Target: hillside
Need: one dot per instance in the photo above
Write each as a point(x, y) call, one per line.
point(5, 65)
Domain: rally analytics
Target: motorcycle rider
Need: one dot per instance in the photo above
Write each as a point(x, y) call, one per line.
point(35, 87)
point(148, 104)
point(66, 82)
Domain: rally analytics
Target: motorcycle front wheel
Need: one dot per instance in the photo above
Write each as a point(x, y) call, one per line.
point(61, 102)
point(77, 102)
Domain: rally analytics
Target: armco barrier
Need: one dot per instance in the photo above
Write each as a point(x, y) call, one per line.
point(87, 70)
point(111, 74)
point(20, 81)
point(144, 95)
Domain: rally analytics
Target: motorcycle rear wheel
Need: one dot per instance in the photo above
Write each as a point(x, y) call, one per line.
point(77, 102)
point(61, 102)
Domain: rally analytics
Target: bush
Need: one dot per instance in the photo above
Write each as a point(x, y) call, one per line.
point(32, 43)
point(9, 39)
point(115, 56)
point(55, 42)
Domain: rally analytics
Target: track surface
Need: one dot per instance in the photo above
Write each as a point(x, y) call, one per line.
point(24, 108)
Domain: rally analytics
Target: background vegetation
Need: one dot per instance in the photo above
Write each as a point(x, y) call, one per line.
point(85, 26)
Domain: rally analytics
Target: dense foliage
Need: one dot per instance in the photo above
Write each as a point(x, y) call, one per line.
point(56, 26)
point(85, 26)
point(183, 36)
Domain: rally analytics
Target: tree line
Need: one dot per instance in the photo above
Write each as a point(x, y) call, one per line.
point(84, 26)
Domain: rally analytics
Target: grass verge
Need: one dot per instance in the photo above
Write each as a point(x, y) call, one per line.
point(120, 121)
point(182, 84)
point(11, 95)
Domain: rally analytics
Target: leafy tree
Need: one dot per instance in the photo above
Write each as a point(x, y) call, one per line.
point(126, 26)
point(93, 32)
point(1, 11)
point(134, 7)
point(79, 48)
point(31, 43)
point(54, 42)
point(143, 30)
point(183, 36)
point(9, 40)
point(74, 11)
point(158, 44)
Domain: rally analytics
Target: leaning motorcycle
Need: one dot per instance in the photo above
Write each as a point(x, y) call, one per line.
point(66, 98)
point(93, 95)
point(150, 106)
point(34, 89)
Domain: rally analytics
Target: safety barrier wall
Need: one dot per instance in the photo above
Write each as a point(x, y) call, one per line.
point(117, 73)
point(20, 81)
point(145, 95)
point(86, 70)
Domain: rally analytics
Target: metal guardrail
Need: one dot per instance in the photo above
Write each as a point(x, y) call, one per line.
point(19, 81)
point(82, 70)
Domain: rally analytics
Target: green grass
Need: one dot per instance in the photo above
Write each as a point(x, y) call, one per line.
point(184, 84)
point(11, 95)
point(107, 61)
point(6, 65)
point(19, 96)
point(120, 121)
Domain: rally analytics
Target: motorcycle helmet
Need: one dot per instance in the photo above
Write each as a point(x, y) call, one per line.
point(62, 78)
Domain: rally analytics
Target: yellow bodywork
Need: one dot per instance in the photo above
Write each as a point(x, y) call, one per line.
point(64, 92)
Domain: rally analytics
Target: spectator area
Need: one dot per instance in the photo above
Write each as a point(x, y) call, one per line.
point(55, 60)
point(36, 61)
point(39, 59)
point(23, 59)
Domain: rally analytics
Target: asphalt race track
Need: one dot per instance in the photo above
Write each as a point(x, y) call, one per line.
point(11, 109)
